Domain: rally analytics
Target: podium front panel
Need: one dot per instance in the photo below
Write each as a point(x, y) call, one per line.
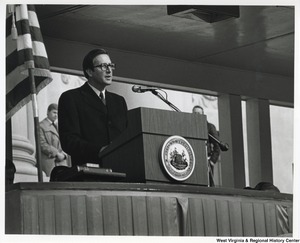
point(139, 153)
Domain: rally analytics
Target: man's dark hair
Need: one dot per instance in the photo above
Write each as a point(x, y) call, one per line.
point(88, 60)
point(266, 186)
point(52, 106)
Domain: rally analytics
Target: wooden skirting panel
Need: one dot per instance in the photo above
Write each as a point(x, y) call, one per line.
point(144, 211)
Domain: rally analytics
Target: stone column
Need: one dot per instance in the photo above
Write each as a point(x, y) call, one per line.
point(24, 145)
point(259, 141)
point(231, 131)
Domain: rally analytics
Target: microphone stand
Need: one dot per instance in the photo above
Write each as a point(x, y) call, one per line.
point(165, 100)
point(223, 147)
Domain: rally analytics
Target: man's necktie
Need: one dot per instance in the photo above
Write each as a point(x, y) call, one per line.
point(102, 98)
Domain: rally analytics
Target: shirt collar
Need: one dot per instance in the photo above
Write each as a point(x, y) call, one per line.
point(51, 122)
point(97, 91)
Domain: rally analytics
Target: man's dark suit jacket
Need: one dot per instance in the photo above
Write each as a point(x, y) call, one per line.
point(213, 148)
point(86, 124)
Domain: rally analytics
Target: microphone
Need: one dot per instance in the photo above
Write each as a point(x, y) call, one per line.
point(139, 89)
point(224, 146)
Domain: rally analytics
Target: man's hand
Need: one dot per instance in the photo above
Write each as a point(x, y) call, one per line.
point(60, 157)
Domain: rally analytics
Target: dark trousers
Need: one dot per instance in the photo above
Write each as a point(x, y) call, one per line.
point(211, 174)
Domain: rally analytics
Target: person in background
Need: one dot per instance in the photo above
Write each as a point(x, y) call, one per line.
point(263, 186)
point(213, 148)
point(283, 226)
point(266, 186)
point(90, 117)
point(51, 152)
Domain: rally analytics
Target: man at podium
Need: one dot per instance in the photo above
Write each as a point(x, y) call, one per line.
point(90, 117)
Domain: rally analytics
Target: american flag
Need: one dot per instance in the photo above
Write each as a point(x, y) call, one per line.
point(24, 49)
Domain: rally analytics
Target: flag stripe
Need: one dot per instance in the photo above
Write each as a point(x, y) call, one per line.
point(21, 12)
point(14, 77)
point(33, 20)
point(16, 95)
point(40, 61)
point(24, 42)
point(27, 51)
point(24, 12)
point(8, 24)
point(23, 28)
point(21, 94)
point(11, 61)
point(39, 49)
point(11, 46)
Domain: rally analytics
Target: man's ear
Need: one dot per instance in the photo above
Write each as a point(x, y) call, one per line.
point(89, 72)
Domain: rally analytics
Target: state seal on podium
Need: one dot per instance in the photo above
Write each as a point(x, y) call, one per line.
point(178, 158)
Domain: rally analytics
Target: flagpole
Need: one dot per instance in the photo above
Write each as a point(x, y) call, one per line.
point(10, 168)
point(28, 60)
point(36, 124)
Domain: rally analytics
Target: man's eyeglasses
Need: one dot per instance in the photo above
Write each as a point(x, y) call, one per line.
point(104, 66)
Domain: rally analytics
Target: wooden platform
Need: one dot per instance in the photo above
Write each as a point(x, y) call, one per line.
point(99, 208)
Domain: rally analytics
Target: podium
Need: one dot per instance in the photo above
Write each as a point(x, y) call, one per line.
point(137, 151)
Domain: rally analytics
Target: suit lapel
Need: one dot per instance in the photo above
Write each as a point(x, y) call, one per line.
point(50, 127)
point(108, 98)
point(111, 102)
point(91, 98)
